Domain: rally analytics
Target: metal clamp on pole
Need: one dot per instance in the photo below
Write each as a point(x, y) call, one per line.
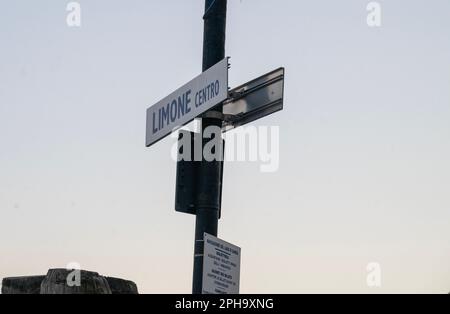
point(214, 115)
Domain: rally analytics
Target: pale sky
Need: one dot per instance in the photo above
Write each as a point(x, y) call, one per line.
point(365, 143)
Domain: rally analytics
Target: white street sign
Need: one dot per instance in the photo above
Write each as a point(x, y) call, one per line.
point(221, 266)
point(188, 102)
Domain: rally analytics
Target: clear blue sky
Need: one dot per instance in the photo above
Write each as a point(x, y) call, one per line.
point(365, 143)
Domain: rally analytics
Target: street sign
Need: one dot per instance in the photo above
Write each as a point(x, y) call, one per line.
point(254, 100)
point(188, 102)
point(221, 266)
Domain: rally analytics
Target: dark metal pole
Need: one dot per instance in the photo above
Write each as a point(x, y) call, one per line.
point(209, 180)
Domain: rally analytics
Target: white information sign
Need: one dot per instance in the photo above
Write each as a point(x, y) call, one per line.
point(221, 266)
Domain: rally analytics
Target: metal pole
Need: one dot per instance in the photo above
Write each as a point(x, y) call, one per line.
point(209, 180)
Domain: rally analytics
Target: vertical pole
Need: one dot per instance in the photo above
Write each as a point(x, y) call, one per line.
point(209, 185)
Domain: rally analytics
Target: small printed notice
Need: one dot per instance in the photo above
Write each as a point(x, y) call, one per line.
point(221, 266)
